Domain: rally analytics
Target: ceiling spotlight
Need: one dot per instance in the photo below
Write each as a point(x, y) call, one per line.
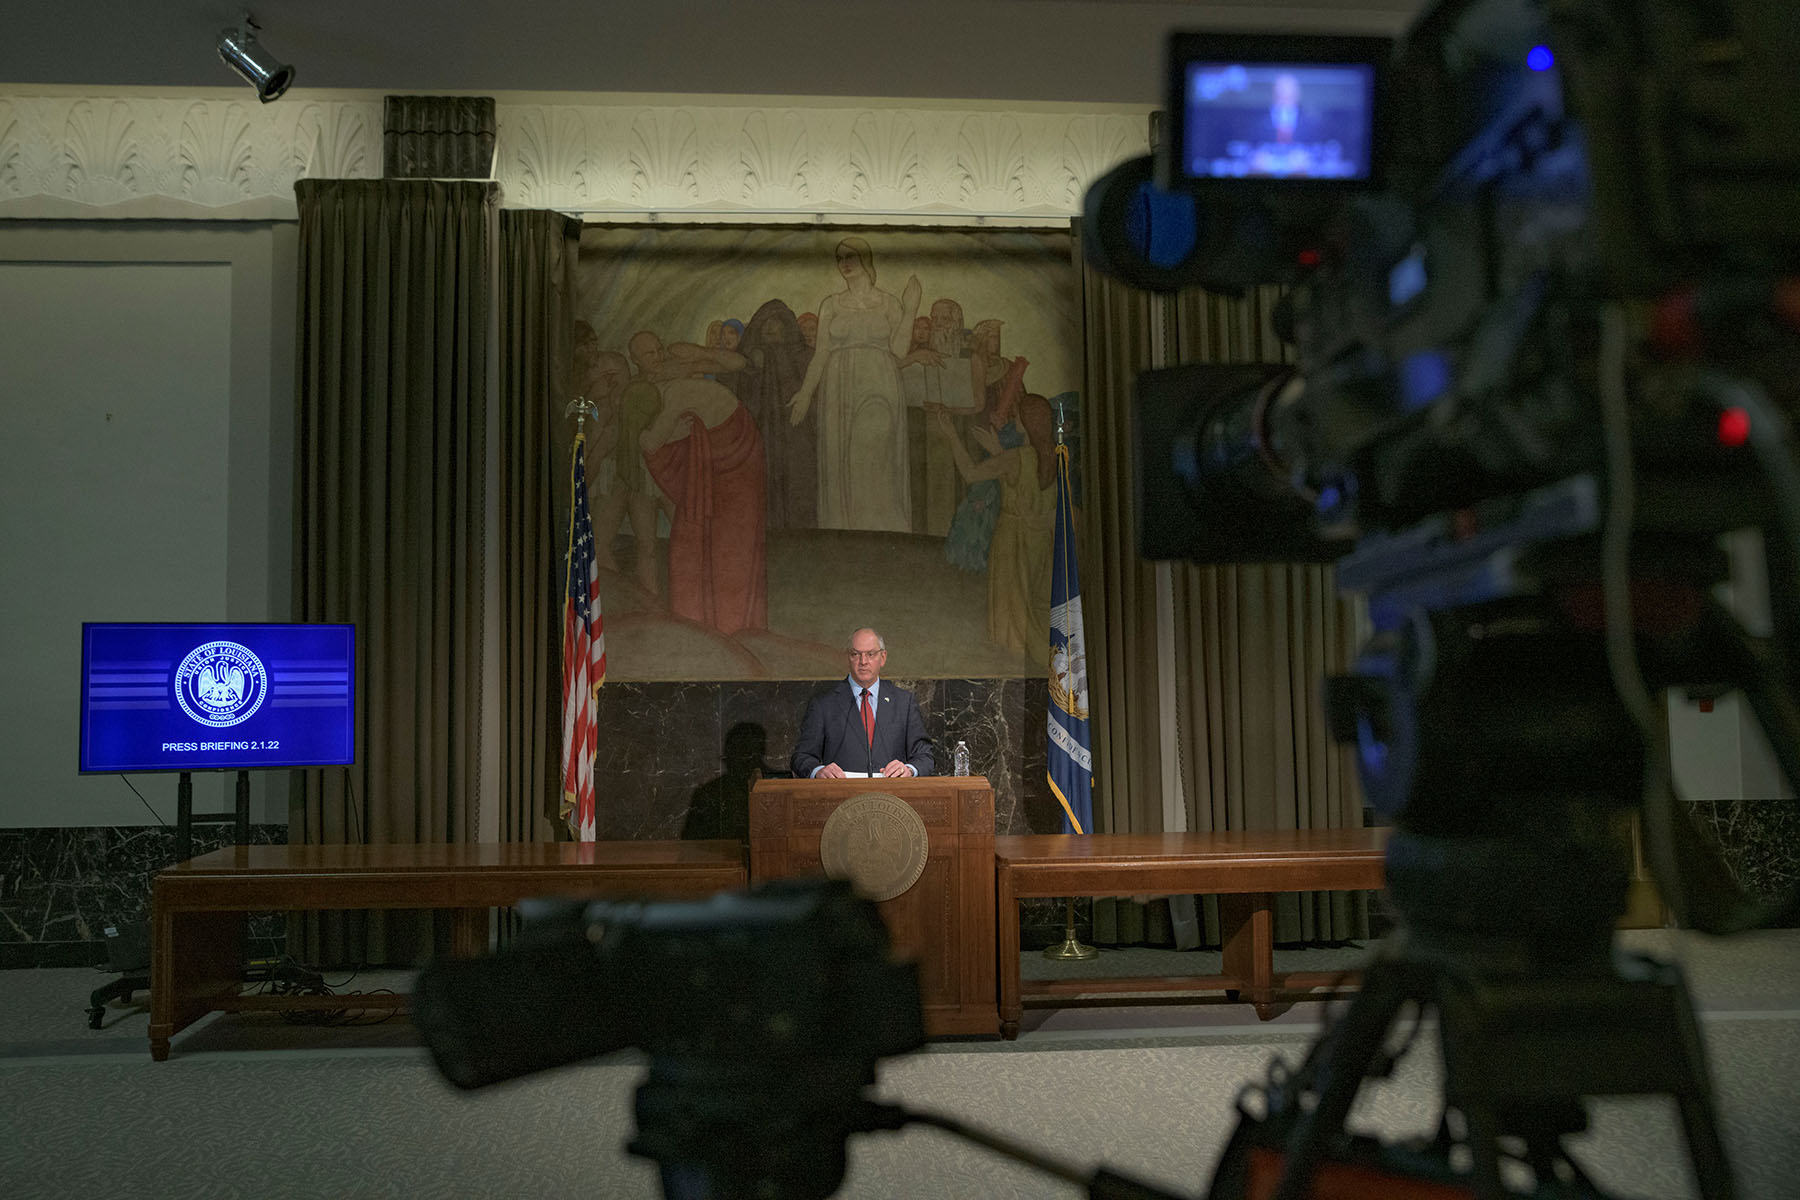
point(239, 48)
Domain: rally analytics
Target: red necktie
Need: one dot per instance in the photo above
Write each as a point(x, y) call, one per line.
point(868, 717)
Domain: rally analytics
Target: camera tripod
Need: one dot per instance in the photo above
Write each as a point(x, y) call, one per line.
point(1520, 1051)
point(1489, 729)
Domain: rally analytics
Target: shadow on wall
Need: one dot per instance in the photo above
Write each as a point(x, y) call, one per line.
point(720, 808)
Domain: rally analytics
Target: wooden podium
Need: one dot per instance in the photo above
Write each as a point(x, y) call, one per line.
point(944, 920)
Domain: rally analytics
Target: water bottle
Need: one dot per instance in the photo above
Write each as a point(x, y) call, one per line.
point(960, 759)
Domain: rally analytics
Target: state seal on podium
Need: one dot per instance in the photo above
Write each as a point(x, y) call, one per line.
point(877, 842)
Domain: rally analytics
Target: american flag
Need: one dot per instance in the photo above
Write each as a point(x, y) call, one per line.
point(584, 658)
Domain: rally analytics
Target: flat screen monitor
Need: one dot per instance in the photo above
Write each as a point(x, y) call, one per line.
point(1275, 109)
point(166, 697)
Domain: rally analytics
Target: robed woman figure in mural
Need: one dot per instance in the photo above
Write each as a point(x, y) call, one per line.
point(997, 384)
point(704, 451)
point(777, 356)
point(864, 339)
point(1019, 557)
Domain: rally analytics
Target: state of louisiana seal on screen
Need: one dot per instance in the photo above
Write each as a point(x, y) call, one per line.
point(221, 684)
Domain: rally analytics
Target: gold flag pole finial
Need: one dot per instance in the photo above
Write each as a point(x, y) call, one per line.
point(583, 410)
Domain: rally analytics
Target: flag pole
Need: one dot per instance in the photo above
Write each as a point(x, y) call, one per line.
point(1072, 948)
point(583, 642)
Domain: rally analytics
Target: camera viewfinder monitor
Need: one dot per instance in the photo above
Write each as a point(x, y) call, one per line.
point(221, 697)
point(1262, 110)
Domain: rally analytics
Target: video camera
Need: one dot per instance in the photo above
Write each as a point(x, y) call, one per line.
point(1450, 220)
point(1539, 273)
point(762, 1015)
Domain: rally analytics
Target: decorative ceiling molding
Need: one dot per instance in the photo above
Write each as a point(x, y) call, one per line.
point(134, 156)
point(222, 157)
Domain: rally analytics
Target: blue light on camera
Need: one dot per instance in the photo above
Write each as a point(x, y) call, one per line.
point(1423, 378)
point(1407, 278)
point(1539, 58)
point(1164, 226)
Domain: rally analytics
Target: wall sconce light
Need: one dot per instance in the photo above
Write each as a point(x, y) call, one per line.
point(241, 52)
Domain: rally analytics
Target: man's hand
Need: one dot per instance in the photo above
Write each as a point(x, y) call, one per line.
point(895, 770)
point(830, 771)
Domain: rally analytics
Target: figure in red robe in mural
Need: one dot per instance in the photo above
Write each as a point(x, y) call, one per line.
point(706, 454)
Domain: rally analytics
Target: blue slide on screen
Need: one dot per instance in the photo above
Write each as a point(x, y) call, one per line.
point(165, 697)
point(1278, 120)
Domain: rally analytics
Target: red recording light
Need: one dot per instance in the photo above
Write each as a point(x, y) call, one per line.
point(1734, 427)
point(1309, 258)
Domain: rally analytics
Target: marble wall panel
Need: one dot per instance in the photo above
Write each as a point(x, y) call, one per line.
point(59, 888)
point(771, 710)
point(1003, 720)
point(658, 743)
point(1759, 840)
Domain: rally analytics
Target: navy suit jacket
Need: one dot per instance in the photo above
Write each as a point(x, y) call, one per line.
point(832, 731)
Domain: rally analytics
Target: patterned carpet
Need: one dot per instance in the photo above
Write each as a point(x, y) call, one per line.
point(249, 1106)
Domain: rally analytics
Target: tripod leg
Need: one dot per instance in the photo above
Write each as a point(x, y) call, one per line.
point(1711, 1170)
point(1693, 1095)
point(1482, 1124)
point(1336, 1069)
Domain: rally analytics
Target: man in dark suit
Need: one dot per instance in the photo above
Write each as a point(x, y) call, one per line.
point(863, 726)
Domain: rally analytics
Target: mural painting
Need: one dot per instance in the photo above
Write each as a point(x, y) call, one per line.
point(804, 429)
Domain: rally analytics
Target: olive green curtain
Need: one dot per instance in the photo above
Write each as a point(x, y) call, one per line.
point(1118, 588)
point(1251, 643)
point(394, 316)
point(537, 320)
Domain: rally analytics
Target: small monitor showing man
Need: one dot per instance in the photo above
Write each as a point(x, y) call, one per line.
point(865, 727)
point(1269, 120)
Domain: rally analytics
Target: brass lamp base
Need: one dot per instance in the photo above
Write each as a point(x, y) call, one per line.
point(1072, 948)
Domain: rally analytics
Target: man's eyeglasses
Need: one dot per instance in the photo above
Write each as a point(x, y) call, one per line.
point(866, 655)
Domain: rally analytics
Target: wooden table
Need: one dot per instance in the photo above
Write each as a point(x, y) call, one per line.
point(1244, 870)
point(198, 908)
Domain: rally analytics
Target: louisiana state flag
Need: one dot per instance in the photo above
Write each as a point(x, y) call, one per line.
point(1071, 760)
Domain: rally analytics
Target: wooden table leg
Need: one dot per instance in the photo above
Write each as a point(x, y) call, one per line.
point(1248, 919)
point(195, 957)
point(469, 932)
point(162, 980)
point(1006, 938)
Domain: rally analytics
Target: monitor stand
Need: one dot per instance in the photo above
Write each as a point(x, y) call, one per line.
point(185, 816)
